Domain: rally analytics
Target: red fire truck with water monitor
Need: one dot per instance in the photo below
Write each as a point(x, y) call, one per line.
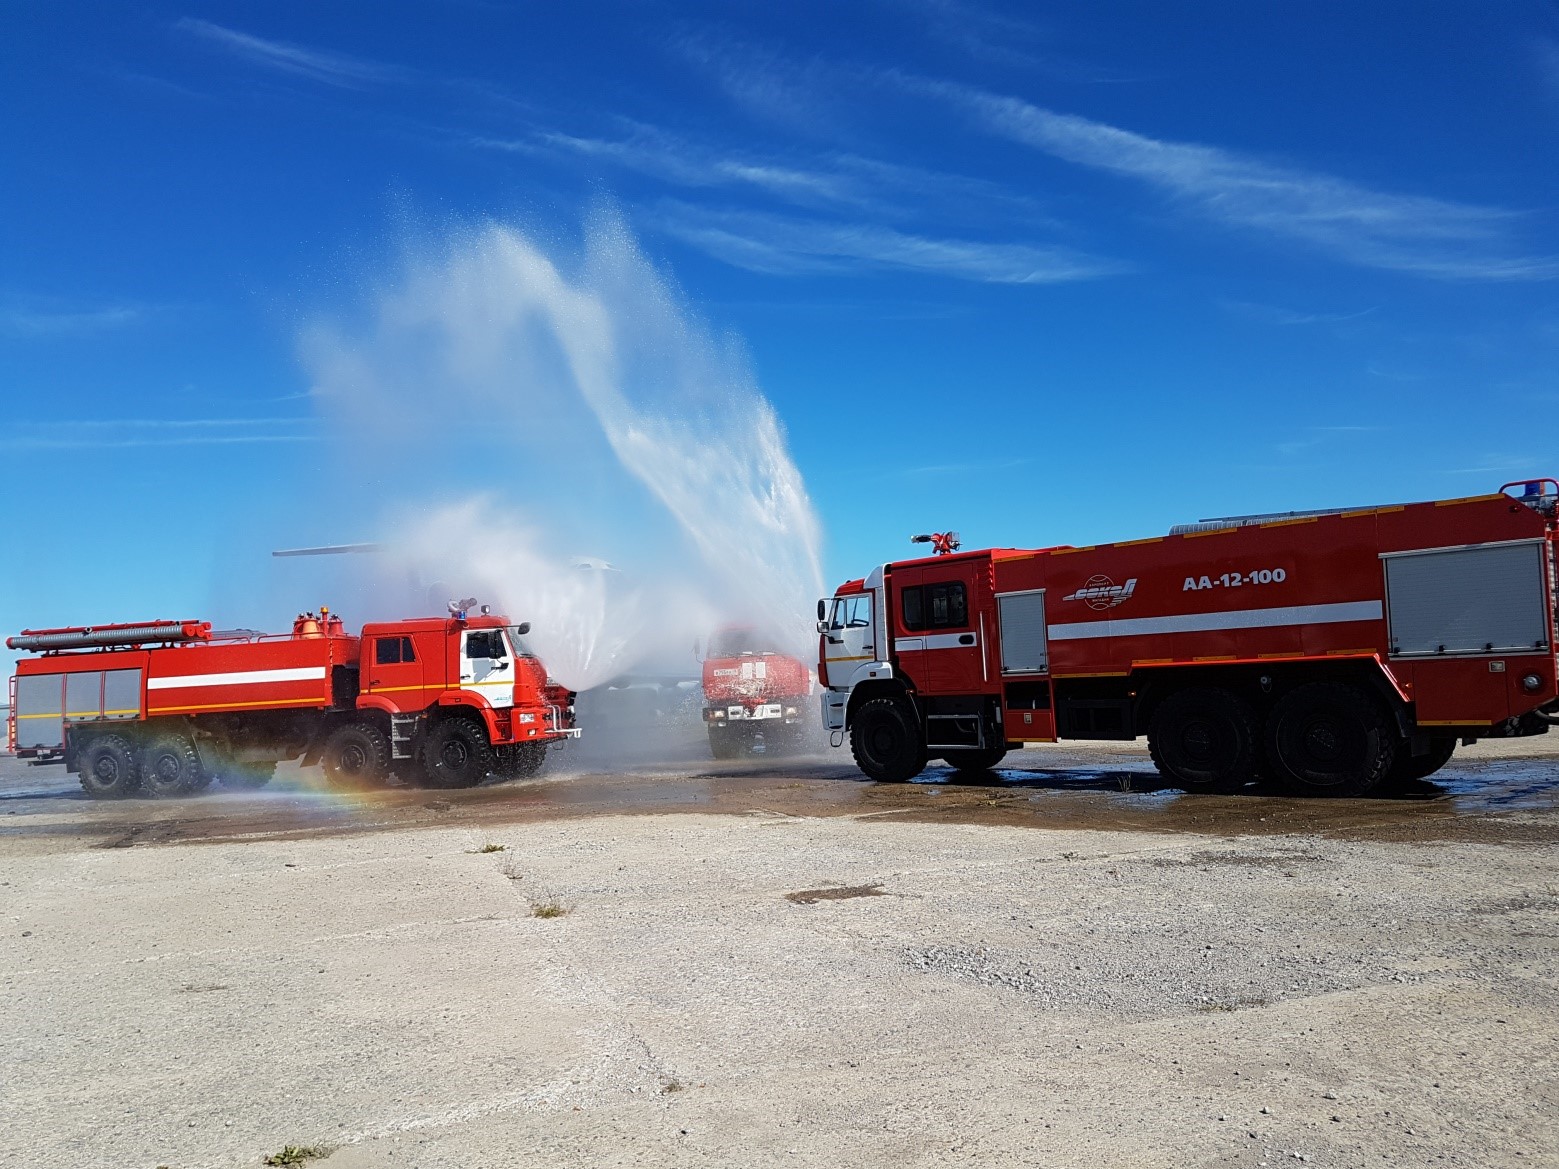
point(753, 691)
point(165, 707)
point(1326, 651)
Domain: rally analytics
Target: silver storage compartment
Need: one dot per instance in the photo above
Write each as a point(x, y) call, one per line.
point(1487, 598)
point(1024, 646)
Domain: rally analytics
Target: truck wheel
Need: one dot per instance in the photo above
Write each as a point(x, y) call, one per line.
point(247, 777)
point(975, 758)
point(356, 757)
point(1411, 768)
point(107, 768)
point(170, 767)
point(723, 743)
point(519, 760)
point(456, 754)
point(886, 741)
point(1330, 739)
point(1204, 740)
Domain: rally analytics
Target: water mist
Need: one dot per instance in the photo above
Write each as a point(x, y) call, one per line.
point(523, 417)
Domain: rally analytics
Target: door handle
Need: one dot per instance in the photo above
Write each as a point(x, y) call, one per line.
point(966, 639)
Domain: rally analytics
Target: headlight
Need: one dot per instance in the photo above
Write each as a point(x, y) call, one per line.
point(527, 718)
point(1532, 681)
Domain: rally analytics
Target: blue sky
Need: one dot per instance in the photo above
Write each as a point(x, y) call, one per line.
point(1040, 275)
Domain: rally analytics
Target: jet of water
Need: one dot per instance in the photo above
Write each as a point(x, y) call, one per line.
point(515, 411)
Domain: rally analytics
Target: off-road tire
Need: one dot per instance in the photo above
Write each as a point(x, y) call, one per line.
point(356, 757)
point(170, 767)
point(519, 760)
point(107, 768)
point(1204, 739)
point(886, 742)
point(456, 754)
point(1330, 739)
point(973, 760)
point(724, 743)
point(1412, 768)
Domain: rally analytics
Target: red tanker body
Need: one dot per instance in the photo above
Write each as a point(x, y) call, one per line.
point(167, 707)
point(752, 690)
point(1326, 651)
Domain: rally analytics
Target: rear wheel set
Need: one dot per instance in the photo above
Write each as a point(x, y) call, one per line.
point(1319, 739)
point(1331, 739)
point(1204, 740)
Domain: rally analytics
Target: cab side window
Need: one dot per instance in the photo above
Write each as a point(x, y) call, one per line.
point(936, 606)
point(391, 651)
point(485, 644)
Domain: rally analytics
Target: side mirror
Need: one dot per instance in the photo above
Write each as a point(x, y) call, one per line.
point(822, 626)
point(698, 649)
point(822, 611)
point(522, 628)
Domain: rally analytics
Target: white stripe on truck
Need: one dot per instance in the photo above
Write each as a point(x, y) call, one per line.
point(237, 678)
point(1229, 619)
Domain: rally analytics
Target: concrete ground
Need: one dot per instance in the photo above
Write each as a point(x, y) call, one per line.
point(778, 963)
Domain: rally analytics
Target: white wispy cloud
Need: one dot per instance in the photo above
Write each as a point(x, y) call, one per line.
point(315, 64)
point(132, 433)
point(40, 321)
point(768, 84)
point(1375, 229)
point(818, 180)
point(1271, 314)
point(673, 160)
point(787, 246)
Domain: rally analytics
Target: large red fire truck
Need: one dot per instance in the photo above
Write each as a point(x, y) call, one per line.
point(1326, 651)
point(753, 692)
point(165, 707)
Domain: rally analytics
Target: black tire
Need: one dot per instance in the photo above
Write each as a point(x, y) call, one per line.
point(107, 768)
point(975, 759)
point(356, 757)
point(1330, 739)
point(1204, 739)
point(247, 777)
point(886, 741)
point(456, 754)
point(519, 760)
point(170, 767)
point(1411, 768)
point(723, 742)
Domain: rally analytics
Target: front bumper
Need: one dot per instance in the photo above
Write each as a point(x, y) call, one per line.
point(767, 712)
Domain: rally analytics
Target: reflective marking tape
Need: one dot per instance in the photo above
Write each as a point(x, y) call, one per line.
point(1230, 619)
point(238, 678)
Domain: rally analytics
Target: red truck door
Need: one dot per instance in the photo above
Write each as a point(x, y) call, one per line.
point(394, 668)
point(937, 618)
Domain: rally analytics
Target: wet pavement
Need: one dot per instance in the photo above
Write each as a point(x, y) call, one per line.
point(1485, 796)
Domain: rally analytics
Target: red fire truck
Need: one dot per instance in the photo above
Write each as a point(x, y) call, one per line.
point(1325, 651)
point(753, 692)
point(166, 707)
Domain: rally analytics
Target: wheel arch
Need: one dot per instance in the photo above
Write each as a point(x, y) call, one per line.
point(880, 688)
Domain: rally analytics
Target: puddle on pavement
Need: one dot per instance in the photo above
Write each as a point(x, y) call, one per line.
point(834, 893)
point(1492, 800)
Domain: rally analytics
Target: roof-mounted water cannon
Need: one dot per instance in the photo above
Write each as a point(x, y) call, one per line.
point(1540, 495)
point(942, 543)
point(459, 609)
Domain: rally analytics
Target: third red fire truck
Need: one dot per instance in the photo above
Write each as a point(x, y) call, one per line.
point(164, 708)
point(1325, 651)
point(753, 692)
